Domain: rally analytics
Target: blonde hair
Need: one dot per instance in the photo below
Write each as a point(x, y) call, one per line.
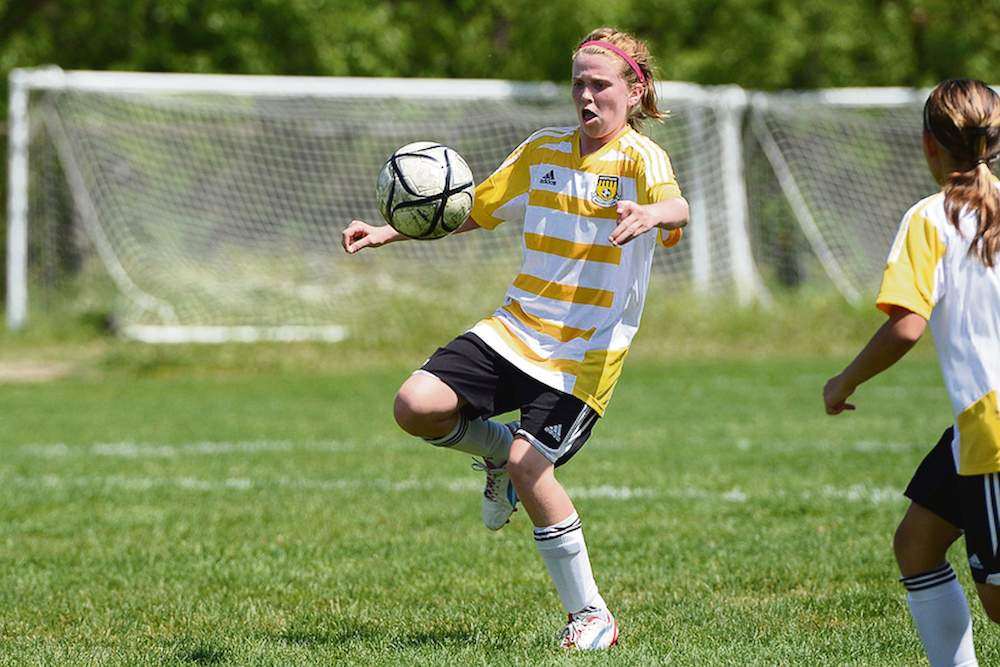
point(637, 51)
point(963, 117)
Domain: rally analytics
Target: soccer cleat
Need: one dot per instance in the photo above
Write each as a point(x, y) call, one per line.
point(590, 629)
point(499, 496)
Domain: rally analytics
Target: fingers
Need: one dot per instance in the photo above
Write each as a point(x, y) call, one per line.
point(835, 396)
point(632, 222)
point(355, 236)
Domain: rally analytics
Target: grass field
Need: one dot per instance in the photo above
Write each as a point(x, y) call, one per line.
point(257, 506)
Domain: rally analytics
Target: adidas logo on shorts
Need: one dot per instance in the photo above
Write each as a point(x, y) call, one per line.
point(555, 431)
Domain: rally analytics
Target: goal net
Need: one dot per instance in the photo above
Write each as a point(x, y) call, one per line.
point(832, 173)
point(209, 208)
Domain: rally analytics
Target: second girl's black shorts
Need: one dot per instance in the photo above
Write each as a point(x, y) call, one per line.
point(971, 503)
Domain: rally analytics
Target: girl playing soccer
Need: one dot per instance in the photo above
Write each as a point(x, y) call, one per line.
point(593, 200)
point(942, 269)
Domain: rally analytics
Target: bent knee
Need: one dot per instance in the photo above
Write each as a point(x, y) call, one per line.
point(417, 419)
point(913, 554)
point(424, 406)
point(407, 415)
point(922, 540)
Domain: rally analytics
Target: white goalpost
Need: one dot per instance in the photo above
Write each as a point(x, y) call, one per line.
point(213, 204)
point(209, 208)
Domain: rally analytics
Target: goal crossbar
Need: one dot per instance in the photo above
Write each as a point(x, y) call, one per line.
point(214, 203)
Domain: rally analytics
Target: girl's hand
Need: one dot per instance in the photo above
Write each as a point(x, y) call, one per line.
point(360, 234)
point(633, 220)
point(835, 396)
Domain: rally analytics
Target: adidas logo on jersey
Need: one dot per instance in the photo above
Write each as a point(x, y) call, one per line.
point(555, 431)
point(549, 178)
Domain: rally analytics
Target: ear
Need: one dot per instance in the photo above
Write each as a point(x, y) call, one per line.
point(635, 94)
point(931, 147)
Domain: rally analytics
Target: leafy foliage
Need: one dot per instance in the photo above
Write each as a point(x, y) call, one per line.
point(763, 44)
point(757, 44)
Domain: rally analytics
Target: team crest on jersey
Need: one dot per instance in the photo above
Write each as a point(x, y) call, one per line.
point(607, 191)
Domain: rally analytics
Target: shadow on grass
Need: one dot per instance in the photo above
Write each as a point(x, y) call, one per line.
point(376, 636)
point(200, 653)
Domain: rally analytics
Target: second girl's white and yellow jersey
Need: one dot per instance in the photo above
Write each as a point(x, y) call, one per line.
point(930, 273)
point(575, 305)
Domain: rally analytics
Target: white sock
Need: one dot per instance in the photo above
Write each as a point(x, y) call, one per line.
point(565, 554)
point(940, 611)
point(479, 437)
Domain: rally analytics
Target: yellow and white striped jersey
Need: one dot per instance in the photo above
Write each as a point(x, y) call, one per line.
point(574, 307)
point(930, 273)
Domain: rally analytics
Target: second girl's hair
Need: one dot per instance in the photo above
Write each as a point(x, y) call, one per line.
point(963, 117)
point(638, 52)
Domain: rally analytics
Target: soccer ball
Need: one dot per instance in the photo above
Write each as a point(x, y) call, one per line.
point(425, 190)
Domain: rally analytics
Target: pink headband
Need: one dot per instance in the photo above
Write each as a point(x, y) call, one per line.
point(629, 59)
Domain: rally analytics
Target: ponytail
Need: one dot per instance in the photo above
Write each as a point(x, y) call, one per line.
point(963, 117)
point(975, 190)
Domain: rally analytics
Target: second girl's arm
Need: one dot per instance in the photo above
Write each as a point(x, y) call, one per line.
point(893, 340)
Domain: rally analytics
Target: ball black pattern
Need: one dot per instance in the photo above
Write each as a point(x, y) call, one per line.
point(425, 190)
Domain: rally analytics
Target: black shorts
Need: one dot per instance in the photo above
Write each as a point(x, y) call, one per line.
point(968, 502)
point(555, 423)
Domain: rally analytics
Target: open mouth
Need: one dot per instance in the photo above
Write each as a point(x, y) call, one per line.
point(586, 115)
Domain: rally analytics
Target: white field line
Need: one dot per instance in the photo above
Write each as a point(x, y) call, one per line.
point(855, 494)
point(190, 483)
point(746, 445)
point(859, 493)
point(136, 450)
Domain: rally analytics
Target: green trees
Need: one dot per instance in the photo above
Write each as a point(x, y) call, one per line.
point(763, 44)
point(757, 44)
